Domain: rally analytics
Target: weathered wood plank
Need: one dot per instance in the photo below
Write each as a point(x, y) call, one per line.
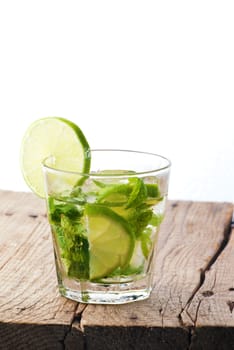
point(190, 237)
point(31, 311)
point(34, 316)
point(211, 309)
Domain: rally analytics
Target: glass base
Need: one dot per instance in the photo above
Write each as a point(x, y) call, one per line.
point(98, 293)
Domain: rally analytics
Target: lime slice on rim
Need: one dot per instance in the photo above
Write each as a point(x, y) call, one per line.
point(56, 137)
point(111, 241)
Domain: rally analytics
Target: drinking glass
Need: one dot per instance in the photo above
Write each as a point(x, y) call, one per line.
point(105, 224)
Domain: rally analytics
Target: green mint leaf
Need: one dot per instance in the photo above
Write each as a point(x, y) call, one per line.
point(57, 209)
point(78, 258)
point(76, 248)
point(138, 193)
point(59, 234)
point(116, 194)
point(153, 190)
point(77, 195)
point(139, 219)
point(156, 219)
point(146, 243)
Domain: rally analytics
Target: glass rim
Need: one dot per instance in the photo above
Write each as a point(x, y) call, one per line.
point(109, 174)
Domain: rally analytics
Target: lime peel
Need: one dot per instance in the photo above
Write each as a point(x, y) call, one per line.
point(56, 137)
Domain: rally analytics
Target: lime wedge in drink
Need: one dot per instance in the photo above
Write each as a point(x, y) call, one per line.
point(56, 137)
point(111, 241)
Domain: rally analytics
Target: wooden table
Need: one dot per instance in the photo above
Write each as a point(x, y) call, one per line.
point(191, 306)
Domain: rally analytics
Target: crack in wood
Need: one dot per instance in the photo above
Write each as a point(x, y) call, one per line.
point(162, 311)
point(220, 249)
point(207, 293)
point(75, 324)
point(197, 311)
point(71, 325)
point(230, 305)
point(9, 213)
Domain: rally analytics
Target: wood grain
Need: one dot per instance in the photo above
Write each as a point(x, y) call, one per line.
point(190, 238)
point(31, 310)
point(211, 309)
point(192, 299)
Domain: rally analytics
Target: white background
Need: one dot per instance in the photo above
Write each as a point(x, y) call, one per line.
point(147, 75)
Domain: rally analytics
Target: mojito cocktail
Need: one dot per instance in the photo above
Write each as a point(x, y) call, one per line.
point(105, 228)
point(104, 207)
